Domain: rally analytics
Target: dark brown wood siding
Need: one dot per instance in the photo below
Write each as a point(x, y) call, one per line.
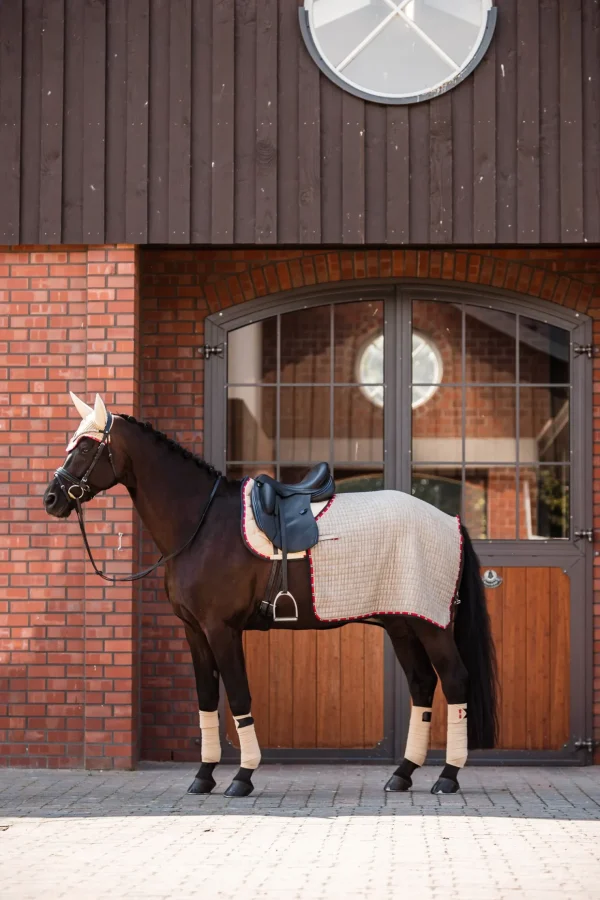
point(206, 122)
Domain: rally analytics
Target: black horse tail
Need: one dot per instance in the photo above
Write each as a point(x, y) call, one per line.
point(473, 637)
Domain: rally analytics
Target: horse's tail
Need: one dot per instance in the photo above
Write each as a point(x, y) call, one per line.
point(473, 637)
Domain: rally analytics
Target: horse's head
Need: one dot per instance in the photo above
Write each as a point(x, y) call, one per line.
point(90, 464)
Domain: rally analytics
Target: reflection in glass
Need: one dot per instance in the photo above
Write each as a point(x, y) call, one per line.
point(437, 428)
point(251, 423)
point(249, 354)
point(350, 480)
point(440, 486)
point(358, 342)
point(251, 470)
point(543, 352)
point(304, 426)
point(491, 345)
point(491, 424)
point(441, 325)
point(544, 424)
point(491, 502)
point(357, 427)
point(544, 502)
point(306, 346)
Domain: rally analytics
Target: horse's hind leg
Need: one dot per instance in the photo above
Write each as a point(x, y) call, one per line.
point(443, 653)
point(422, 682)
point(207, 687)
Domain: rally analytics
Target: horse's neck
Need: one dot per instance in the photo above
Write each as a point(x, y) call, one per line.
point(170, 493)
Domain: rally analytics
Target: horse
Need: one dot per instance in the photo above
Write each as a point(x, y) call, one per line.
point(216, 587)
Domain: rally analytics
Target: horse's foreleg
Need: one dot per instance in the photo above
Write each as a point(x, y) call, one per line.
point(226, 644)
point(422, 682)
point(443, 653)
point(207, 687)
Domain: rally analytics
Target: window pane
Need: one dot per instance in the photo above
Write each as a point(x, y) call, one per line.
point(304, 428)
point(350, 480)
point(440, 324)
point(491, 434)
point(544, 434)
point(543, 353)
point(252, 353)
point(358, 339)
point(358, 427)
point(244, 470)
point(491, 345)
point(306, 346)
point(452, 24)
point(437, 427)
point(440, 486)
point(340, 26)
point(491, 502)
point(251, 430)
point(544, 502)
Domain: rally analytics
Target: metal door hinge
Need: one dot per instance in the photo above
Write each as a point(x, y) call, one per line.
point(587, 535)
point(208, 350)
point(587, 744)
point(590, 350)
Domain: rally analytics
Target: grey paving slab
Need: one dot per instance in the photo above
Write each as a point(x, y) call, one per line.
point(307, 833)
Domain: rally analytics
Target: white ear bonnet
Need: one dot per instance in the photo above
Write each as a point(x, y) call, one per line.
point(94, 421)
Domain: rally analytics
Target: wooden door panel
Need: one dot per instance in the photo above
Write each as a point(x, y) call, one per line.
point(316, 689)
point(530, 616)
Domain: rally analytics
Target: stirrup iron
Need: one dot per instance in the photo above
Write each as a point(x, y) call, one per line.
point(277, 618)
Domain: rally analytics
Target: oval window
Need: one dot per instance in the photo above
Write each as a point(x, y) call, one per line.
point(397, 51)
point(427, 369)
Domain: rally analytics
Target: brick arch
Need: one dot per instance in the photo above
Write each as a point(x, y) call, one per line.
point(239, 276)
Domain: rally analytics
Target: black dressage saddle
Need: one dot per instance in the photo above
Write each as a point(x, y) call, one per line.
point(283, 513)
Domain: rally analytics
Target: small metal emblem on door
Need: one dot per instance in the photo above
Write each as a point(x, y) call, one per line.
point(491, 579)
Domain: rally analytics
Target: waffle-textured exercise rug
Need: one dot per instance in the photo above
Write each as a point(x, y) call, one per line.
point(385, 552)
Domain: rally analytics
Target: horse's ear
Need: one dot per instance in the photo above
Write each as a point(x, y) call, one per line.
point(82, 408)
point(100, 413)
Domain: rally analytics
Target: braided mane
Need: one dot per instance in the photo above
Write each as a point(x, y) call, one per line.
point(172, 445)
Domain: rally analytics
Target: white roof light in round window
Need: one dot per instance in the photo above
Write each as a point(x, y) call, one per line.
point(427, 369)
point(397, 51)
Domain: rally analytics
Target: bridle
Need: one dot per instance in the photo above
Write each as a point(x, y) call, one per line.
point(79, 491)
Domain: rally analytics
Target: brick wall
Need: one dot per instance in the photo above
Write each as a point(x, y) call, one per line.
point(180, 288)
point(68, 320)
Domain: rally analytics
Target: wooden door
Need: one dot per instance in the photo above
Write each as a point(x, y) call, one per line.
point(530, 613)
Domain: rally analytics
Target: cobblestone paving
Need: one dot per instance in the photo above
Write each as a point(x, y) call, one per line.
point(307, 833)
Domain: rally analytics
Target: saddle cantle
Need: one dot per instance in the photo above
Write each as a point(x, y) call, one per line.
point(283, 513)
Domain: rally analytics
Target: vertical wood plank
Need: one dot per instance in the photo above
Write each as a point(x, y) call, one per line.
point(505, 40)
point(419, 196)
point(201, 140)
point(329, 680)
point(352, 686)
point(50, 230)
point(571, 126)
point(305, 688)
point(245, 121)
point(281, 709)
point(374, 685)
point(484, 149)
point(538, 659)
point(528, 123)
point(560, 658)
point(331, 167)
point(222, 128)
point(117, 118)
point(353, 169)
point(11, 45)
point(591, 121)
point(94, 107)
point(462, 156)
point(495, 605)
point(266, 122)
point(549, 122)
point(440, 169)
point(375, 173)
point(514, 684)
point(136, 196)
point(309, 148)
point(180, 110)
point(398, 175)
point(258, 664)
point(158, 157)
point(72, 189)
point(289, 123)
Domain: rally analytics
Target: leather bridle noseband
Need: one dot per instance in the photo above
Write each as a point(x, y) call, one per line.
point(85, 492)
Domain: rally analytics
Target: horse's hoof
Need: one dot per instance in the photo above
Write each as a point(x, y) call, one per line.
point(445, 786)
point(239, 788)
point(398, 783)
point(201, 786)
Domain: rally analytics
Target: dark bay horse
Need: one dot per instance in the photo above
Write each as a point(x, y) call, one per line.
point(215, 586)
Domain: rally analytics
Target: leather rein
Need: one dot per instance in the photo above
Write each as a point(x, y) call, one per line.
point(85, 492)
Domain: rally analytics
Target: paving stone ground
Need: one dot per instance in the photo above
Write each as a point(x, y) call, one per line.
point(307, 833)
